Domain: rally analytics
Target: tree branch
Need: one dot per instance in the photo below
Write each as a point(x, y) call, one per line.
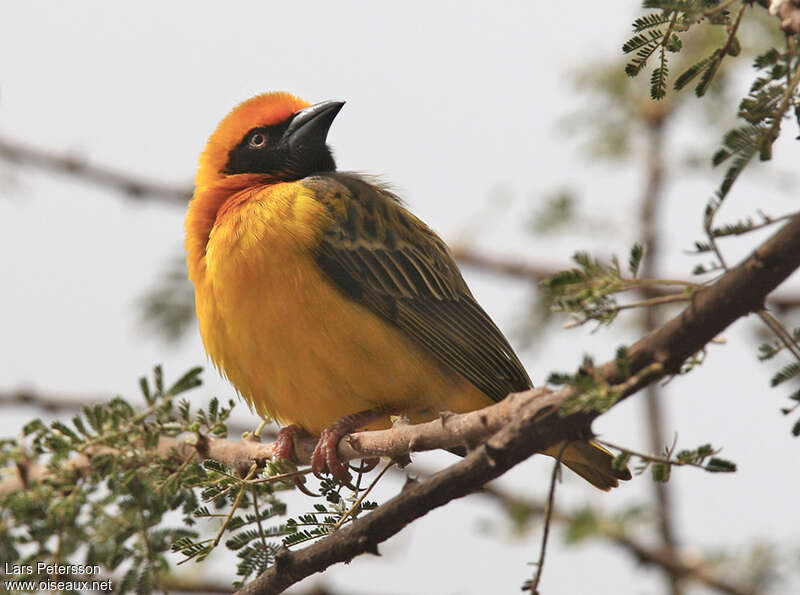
point(685, 566)
point(135, 187)
point(48, 402)
point(787, 11)
point(73, 402)
point(130, 186)
point(537, 424)
point(527, 270)
point(533, 425)
point(517, 427)
point(654, 407)
point(682, 566)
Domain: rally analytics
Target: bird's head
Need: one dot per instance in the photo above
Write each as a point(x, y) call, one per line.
point(276, 135)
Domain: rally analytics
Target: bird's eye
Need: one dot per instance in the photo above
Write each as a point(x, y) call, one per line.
point(257, 141)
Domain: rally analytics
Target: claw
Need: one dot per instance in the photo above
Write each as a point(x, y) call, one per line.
point(283, 450)
point(283, 447)
point(326, 458)
point(300, 484)
point(366, 465)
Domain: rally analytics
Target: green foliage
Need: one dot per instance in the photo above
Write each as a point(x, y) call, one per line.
point(593, 391)
point(635, 259)
point(326, 518)
point(737, 228)
point(168, 308)
point(587, 523)
point(658, 81)
point(658, 33)
point(708, 67)
point(769, 99)
point(702, 457)
point(693, 361)
point(107, 512)
point(588, 292)
point(558, 210)
point(116, 509)
point(690, 73)
point(787, 373)
point(644, 46)
point(244, 505)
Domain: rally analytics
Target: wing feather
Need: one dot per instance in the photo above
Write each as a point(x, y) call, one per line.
point(380, 255)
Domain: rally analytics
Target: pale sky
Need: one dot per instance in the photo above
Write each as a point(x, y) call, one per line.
point(452, 103)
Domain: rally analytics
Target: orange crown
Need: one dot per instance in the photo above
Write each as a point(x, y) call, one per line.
point(262, 110)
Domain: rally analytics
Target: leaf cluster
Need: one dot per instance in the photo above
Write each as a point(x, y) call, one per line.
point(770, 97)
point(589, 291)
point(255, 542)
point(593, 391)
point(787, 373)
point(244, 507)
point(659, 34)
point(115, 510)
point(327, 518)
point(587, 523)
point(112, 511)
point(703, 457)
point(763, 109)
point(168, 308)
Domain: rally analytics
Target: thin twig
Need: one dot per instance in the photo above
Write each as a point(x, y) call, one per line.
point(258, 517)
point(657, 301)
point(134, 186)
point(361, 497)
point(779, 330)
point(236, 503)
point(712, 11)
point(548, 515)
point(690, 568)
point(281, 477)
point(131, 186)
point(765, 223)
point(653, 458)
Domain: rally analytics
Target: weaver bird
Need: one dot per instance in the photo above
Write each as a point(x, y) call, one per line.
point(326, 303)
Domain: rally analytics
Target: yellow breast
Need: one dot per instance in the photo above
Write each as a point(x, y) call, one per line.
point(291, 343)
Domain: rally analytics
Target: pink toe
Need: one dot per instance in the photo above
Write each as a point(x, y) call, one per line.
point(283, 447)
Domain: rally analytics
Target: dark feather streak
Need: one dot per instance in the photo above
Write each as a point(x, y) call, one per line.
point(380, 255)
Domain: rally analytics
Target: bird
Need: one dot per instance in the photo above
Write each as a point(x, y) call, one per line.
point(326, 303)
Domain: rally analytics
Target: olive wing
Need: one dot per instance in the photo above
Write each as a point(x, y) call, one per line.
point(383, 257)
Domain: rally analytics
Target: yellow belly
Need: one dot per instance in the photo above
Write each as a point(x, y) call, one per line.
point(292, 344)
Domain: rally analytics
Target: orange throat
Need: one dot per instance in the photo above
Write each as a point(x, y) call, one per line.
point(208, 204)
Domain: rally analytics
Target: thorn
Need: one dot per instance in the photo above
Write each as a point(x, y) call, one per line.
point(201, 444)
point(368, 545)
point(402, 461)
point(283, 558)
point(444, 416)
point(491, 453)
point(409, 482)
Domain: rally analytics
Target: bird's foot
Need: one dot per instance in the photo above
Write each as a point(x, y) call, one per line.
point(283, 450)
point(283, 447)
point(326, 457)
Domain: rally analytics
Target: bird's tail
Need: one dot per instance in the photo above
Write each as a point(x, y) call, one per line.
point(592, 462)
